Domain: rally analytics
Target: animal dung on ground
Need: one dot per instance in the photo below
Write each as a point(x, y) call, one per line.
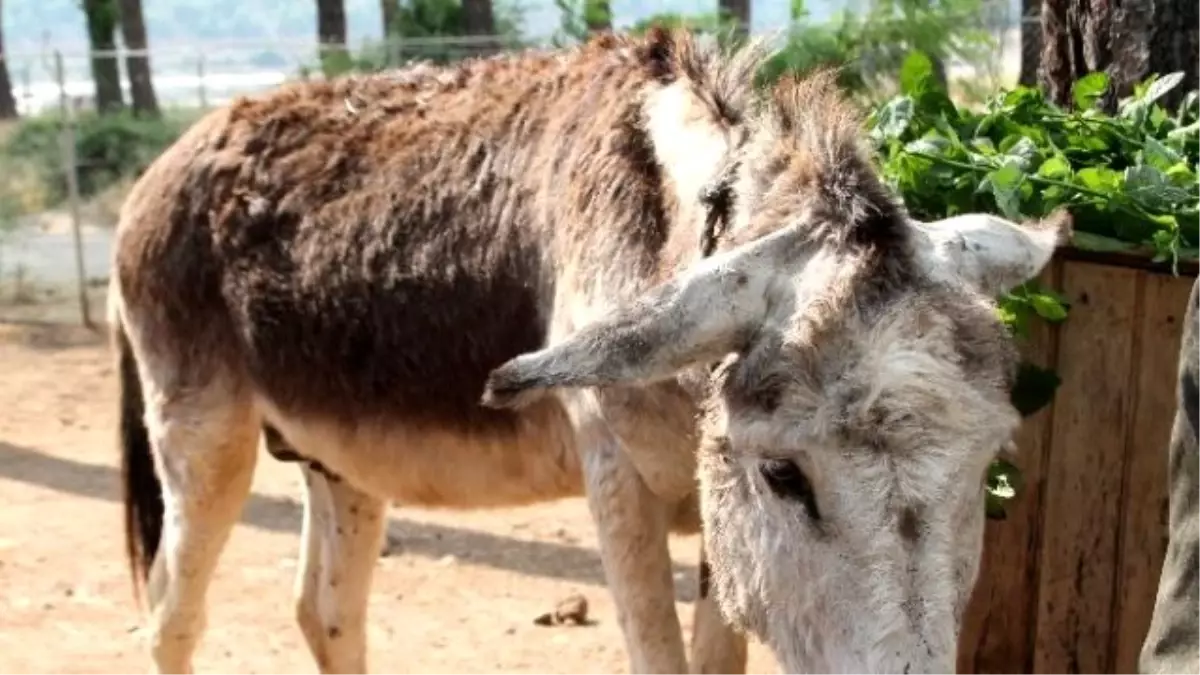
point(570, 610)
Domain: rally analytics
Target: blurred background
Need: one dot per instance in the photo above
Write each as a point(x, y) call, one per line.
point(92, 90)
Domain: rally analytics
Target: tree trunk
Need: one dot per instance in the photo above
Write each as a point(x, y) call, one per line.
point(736, 10)
point(1127, 39)
point(477, 17)
point(1154, 36)
point(331, 35)
point(137, 62)
point(390, 11)
point(8, 104)
point(597, 14)
point(1031, 41)
point(101, 18)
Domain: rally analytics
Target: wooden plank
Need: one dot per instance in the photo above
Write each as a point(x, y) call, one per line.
point(1144, 518)
point(996, 634)
point(1085, 470)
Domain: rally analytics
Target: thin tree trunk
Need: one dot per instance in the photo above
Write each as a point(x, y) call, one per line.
point(390, 13)
point(8, 104)
point(1031, 39)
point(597, 14)
point(331, 35)
point(137, 62)
point(101, 18)
point(478, 18)
point(737, 10)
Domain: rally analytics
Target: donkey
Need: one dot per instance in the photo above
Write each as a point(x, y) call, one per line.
point(506, 281)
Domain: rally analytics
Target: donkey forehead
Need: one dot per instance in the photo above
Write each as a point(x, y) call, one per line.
point(923, 369)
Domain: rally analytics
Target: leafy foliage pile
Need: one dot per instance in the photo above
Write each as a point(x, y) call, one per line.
point(1129, 180)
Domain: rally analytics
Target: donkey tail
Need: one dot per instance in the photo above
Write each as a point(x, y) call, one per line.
point(141, 486)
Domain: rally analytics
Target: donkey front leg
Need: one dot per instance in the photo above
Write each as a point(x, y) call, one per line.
point(632, 525)
point(342, 532)
point(716, 646)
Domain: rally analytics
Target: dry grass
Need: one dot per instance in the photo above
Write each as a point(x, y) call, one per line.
point(105, 207)
point(7, 127)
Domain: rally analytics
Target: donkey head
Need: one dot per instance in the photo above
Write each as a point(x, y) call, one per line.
point(861, 390)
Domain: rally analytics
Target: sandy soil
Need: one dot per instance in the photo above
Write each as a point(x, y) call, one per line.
point(460, 594)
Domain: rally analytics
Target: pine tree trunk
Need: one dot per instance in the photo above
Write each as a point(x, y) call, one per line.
point(1031, 39)
point(137, 62)
point(1127, 39)
point(597, 14)
point(390, 12)
point(737, 10)
point(1154, 37)
point(331, 35)
point(8, 104)
point(101, 18)
point(477, 17)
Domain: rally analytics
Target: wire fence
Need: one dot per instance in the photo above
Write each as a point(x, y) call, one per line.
point(58, 256)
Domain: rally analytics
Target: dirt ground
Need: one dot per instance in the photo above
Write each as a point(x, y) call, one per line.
point(459, 595)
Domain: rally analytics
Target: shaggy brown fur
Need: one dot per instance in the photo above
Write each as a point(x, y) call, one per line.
point(367, 249)
point(325, 238)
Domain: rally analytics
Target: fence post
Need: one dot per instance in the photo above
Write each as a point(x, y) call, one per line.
point(67, 143)
point(394, 51)
point(200, 81)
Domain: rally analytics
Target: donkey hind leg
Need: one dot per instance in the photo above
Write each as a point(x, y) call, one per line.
point(342, 532)
point(632, 524)
point(205, 443)
point(716, 646)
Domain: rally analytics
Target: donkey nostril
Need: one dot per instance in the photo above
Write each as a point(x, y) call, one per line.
point(787, 481)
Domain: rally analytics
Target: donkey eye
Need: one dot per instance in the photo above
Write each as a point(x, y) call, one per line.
point(787, 481)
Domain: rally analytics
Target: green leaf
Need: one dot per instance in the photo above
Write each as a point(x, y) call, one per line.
point(1004, 478)
point(984, 145)
point(1056, 167)
point(1006, 183)
point(1151, 187)
point(1099, 178)
point(1004, 483)
point(995, 507)
point(1158, 155)
point(1088, 89)
point(1048, 308)
point(1189, 107)
point(1182, 175)
point(1160, 87)
point(1024, 151)
point(916, 73)
point(930, 145)
point(1184, 133)
point(1099, 243)
point(1034, 388)
point(1023, 102)
point(895, 117)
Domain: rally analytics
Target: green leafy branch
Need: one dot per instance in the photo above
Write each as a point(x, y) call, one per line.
point(1130, 181)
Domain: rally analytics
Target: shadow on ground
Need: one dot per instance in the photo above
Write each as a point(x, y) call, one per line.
point(283, 514)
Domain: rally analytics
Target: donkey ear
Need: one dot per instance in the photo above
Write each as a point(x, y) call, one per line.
point(696, 318)
point(990, 252)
